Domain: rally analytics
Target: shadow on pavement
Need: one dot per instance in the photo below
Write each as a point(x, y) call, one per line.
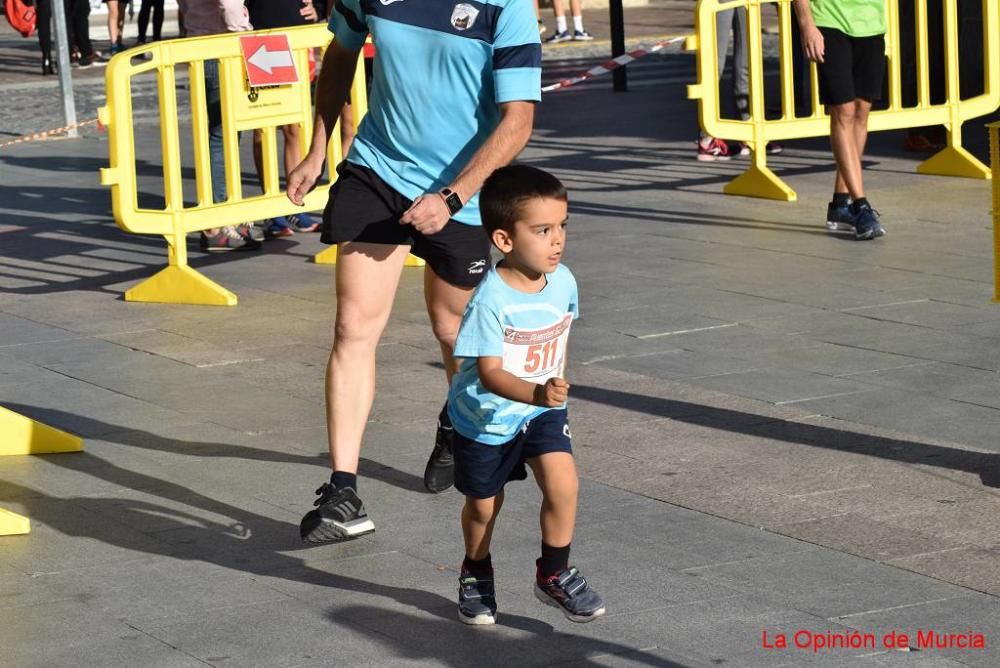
point(985, 465)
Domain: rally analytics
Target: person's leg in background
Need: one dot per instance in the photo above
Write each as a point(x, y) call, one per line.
point(43, 21)
point(78, 15)
point(538, 17)
point(116, 24)
point(143, 23)
point(228, 238)
point(711, 148)
point(158, 20)
point(563, 33)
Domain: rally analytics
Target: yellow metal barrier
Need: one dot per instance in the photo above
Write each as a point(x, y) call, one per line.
point(758, 180)
point(995, 161)
point(20, 435)
point(243, 108)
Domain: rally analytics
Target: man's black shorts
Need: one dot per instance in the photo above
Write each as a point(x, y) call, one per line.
point(481, 470)
point(364, 208)
point(852, 67)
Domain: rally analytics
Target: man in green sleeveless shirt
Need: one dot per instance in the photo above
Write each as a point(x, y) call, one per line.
point(846, 39)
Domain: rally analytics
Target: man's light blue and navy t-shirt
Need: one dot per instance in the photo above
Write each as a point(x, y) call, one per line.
point(529, 332)
point(441, 69)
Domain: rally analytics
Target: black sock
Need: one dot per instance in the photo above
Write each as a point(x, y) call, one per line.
point(443, 419)
point(482, 566)
point(840, 199)
point(343, 479)
point(554, 559)
point(860, 203)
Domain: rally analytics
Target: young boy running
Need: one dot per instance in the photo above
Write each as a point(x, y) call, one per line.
point(508, 400)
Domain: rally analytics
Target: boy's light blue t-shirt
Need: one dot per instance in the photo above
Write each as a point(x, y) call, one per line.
point(529, 332)
point(440, 70)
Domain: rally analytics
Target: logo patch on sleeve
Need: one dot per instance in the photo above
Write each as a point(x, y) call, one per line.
point(463, 16)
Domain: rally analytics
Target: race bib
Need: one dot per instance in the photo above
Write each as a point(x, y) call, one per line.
point(536, 355)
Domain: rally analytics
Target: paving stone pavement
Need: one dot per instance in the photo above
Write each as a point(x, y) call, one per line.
point(778, 430)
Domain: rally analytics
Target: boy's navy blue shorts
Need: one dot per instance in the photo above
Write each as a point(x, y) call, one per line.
point(481, 470)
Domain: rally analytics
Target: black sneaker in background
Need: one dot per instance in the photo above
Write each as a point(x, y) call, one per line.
point(867, 225)
point(339, 515)
point(477, 603)
point(439, 474)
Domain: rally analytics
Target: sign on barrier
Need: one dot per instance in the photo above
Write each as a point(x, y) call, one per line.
point(268, 60)
point(758, 180)
point(246, 104)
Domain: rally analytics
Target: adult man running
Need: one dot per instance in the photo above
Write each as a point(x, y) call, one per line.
point(453, 98)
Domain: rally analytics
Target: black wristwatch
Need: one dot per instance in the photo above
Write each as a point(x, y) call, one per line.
point(452, 199)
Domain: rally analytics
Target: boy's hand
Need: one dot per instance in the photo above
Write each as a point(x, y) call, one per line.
point(552, 394)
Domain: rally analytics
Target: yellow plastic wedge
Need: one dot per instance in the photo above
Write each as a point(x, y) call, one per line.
point(180, 284)
point(12, 524)
point(760, 182)
point(954, 161)
point(20, 435)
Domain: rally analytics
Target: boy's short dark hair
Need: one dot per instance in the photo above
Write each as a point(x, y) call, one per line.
point(508, 188)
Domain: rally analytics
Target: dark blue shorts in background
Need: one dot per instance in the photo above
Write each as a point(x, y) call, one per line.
point(481, 471)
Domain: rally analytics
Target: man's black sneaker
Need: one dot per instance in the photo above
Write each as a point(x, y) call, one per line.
point(867, 225)
point(477, 603)
point(569, 591)
point(440, 472)
point(339, 515)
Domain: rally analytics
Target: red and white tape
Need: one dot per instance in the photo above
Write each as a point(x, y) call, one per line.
point(604, 68)
point(48, 133)
point(612, 64)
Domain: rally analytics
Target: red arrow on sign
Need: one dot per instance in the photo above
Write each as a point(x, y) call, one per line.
point(268, 60)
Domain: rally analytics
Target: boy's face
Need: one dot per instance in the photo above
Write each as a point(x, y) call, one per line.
point(539, 236)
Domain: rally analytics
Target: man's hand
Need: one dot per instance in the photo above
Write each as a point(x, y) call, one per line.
point(309, 12)
point(303, 179)
point(552, 394)
point(812, 44)
point(428, 214)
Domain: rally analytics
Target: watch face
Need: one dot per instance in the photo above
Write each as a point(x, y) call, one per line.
point(452, 200)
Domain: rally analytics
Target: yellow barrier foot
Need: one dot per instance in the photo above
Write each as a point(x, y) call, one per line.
point(12, 524)
point(179, 284)
point(329, 256)
point(760, 182)
point(954, 161)
point(20, 435)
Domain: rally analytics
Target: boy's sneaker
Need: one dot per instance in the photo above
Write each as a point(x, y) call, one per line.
point(339, 515)
point(557, 37)
point(227, 239)
point(839, 217)
point(303, 223)
point(710, 148)
point(569, 591)
point(866, 223)
point(582, 36)
point(439, 474)
point(477, 603)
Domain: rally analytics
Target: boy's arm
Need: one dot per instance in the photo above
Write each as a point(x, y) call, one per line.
point(505, 384)
point(812, 38)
